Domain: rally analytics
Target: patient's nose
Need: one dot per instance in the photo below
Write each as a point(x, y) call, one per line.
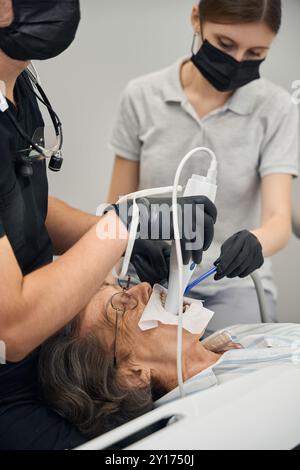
point(142, 292)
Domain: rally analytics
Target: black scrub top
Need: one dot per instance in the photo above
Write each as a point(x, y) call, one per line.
point(23, 212)
point(26, 423)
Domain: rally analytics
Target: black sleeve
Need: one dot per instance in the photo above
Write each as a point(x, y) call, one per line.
point(29, 425)
point(7, 173)
point(7, 170)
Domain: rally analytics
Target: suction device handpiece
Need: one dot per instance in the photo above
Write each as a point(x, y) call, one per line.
point(197, 186)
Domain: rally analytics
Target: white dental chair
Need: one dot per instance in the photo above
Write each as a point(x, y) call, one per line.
point(238, 415)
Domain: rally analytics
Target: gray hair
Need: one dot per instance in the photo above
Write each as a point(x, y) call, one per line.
point(80, 382)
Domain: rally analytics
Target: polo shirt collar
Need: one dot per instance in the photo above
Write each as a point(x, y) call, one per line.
point(172, 88)
point(241, 102)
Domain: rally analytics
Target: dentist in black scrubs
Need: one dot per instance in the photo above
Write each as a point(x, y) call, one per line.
point(38, 297)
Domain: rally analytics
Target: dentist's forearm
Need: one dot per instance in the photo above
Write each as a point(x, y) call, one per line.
point(37, 306)
point(66, 225)
point(274, 234)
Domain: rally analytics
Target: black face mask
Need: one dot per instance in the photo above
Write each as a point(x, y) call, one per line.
point(223, 71)
point(41, 29)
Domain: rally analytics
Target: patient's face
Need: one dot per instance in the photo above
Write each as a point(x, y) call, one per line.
point(100, 314)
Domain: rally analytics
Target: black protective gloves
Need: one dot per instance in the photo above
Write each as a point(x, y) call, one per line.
point(151, 260)
point(197, 217)
point(241, 255)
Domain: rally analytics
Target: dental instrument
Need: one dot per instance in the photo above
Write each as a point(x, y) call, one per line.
point(200, 279)
point(197, 186)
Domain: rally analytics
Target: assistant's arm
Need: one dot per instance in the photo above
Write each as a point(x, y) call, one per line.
point(276, 224)
point(244, 252)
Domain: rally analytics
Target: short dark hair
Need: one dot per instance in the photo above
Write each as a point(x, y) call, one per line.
point(80, 382)
point(243, 11)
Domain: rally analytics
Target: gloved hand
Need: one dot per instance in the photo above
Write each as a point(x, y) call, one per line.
point(241, 255)
point(197, 217)
point(151, 260)
point(7, 173)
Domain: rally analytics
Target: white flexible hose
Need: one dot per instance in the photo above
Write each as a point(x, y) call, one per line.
point(148, 193)
point(180, 259)
point(135, 220)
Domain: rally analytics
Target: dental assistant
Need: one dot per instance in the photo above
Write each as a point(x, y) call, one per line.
point(37, 296)
point(217, 99)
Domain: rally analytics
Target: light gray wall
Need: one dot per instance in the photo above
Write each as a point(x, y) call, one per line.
point(119, 40)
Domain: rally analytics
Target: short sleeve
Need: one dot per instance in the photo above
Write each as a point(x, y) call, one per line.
point(125, 140)
point(280, 150)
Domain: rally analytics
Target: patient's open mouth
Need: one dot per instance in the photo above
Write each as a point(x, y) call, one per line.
point(163, 297)
point(195, 320)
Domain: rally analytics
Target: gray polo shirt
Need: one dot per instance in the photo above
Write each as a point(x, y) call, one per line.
point(255, 134)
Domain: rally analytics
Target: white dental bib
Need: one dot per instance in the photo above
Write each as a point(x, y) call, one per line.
point(195, 319)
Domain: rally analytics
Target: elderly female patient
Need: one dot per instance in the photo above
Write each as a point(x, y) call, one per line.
point(102, 370)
